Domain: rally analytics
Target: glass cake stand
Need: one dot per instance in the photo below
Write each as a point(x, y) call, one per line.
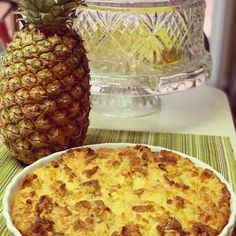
point(141, 49)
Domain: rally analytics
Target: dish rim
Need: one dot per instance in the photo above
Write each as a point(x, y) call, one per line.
point(16, 181)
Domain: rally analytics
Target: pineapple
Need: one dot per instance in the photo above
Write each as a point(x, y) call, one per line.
point(44, 81)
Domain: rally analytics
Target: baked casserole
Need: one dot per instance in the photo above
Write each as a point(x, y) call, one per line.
point(129, 191)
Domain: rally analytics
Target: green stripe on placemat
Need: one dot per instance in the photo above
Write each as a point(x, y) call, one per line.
point(214, 150)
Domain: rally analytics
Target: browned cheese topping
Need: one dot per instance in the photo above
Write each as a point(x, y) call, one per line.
point(128, 191)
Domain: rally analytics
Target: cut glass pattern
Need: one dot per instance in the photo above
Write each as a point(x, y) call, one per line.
point(144, 51)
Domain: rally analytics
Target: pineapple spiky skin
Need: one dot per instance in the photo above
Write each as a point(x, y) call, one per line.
point(44, 95)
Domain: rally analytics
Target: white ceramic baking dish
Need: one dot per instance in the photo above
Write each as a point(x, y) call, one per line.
point(15, 184)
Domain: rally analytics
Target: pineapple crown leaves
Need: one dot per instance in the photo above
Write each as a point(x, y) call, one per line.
point(47, 12)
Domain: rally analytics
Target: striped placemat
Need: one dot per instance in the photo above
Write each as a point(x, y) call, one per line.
point(214, 150)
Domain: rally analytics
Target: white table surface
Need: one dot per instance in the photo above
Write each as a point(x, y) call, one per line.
point(203, 110)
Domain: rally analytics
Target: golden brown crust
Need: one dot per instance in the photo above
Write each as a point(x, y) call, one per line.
point(121, 192)
point(143, 208)
point(28, 179)
point(131, 230)
point(200, 229)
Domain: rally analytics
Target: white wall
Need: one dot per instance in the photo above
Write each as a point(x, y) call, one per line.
point(219, 41)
